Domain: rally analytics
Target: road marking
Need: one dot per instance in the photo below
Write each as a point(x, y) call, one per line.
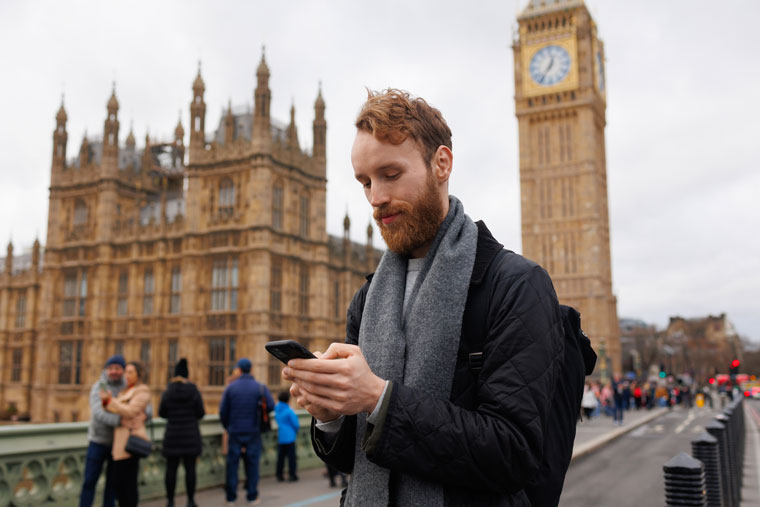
point(659, 428)
point(688, 420)
point(315, 499)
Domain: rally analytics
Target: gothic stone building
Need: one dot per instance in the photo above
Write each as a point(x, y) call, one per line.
point(560, 103)
point(160, 254)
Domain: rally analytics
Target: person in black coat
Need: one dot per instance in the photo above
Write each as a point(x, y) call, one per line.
point(182, 407)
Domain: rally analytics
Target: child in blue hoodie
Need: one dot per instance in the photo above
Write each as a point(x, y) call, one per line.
point(287, 429)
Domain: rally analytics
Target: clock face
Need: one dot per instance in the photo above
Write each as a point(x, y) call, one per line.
point(600, 71)
point(549, 65)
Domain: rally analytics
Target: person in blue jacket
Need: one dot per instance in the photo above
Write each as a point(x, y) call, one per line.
point(287, 429)
point(238, 412)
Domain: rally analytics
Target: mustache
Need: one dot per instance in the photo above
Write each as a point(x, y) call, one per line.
point(391, 208)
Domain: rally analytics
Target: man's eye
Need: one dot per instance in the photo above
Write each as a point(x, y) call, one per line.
point(392, 176)
point(366, 184)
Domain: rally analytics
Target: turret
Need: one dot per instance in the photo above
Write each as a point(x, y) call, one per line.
point(369, 250)
point(60, 136)
point(262, 98)
point(147, 158)
point(109, 160)
point(84, 152)
point(130, 143)
point(179, 135)
point(320, 129)
point(197, 115)
point(9, 259)
point(36, 256)
point(229, 125)
point(292, 130)
point(346, 240)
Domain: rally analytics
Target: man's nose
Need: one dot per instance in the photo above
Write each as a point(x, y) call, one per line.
point(378, 195)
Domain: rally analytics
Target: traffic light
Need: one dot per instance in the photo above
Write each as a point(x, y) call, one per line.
point(735, 367)
point(711, 380)
point(663, 374)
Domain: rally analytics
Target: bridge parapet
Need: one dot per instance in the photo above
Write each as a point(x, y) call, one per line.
point(43, 464)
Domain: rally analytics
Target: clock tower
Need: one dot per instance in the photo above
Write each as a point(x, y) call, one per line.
point(560, 102)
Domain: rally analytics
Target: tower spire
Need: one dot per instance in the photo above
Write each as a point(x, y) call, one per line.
point(262, 137)
point(319, 130)
point(197, 116)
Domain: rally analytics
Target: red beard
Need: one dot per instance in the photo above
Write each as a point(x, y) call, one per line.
point(417, 223)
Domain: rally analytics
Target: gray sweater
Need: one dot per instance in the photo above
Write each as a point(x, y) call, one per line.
point(102, 422)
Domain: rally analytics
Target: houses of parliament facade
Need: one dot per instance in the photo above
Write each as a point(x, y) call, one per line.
point(205, 251)
point(208, 254)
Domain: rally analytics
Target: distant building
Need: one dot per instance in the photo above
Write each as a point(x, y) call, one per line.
point(703, 345)
point(560, 103)
point(160, 254)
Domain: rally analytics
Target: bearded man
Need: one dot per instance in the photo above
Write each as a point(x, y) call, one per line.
point(440, 394)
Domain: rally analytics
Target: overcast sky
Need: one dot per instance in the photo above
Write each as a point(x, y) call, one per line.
point(682, 114)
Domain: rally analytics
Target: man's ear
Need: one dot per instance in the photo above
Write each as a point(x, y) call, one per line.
point(442, 163)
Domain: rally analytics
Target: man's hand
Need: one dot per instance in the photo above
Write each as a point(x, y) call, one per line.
point(338, 382)
point(105, 396)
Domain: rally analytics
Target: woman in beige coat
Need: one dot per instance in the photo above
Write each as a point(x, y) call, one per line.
point(130, 405)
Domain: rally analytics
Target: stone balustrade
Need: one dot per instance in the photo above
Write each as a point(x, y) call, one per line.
point(43, 464)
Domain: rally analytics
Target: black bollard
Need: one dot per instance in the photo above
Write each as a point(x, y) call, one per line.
point(731, 453)
point(705, 449)
point(684, 481)
point(718, 430)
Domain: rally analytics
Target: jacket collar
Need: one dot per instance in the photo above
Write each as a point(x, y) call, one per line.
point(485, 251)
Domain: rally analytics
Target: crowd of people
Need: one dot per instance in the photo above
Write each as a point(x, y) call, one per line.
point(613, 398)
point(121, 415)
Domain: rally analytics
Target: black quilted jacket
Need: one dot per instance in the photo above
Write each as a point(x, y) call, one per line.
point(486, 442)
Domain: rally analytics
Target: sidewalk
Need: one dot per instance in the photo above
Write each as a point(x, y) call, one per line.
point(312, 489)
point(594, 433)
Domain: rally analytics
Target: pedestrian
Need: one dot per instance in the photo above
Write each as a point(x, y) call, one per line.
point(287, 429)
point(182, 407)
point(398, 405)
point(238, 412)
point(619, 399)
point(637, 396)
point(100, 434)
point(588, 402)
point(130, 404)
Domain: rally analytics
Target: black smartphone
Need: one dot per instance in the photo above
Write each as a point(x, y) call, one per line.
point(285, 350)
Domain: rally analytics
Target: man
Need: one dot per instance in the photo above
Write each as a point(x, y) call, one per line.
point(239, 415)
point(100, 433)
point(441, 392)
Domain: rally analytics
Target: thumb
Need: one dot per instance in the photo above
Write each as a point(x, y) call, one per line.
point(340, 350)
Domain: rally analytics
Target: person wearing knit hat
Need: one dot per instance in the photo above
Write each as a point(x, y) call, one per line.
point(100, 433)
point(239, 413)
point(116, 359)
point(180, 369)
point(182, 407)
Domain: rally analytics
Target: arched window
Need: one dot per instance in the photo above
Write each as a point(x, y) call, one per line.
point(80, 212)
point(277, 206)
point(226, 196)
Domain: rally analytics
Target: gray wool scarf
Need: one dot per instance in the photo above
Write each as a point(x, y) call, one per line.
point(417, 348)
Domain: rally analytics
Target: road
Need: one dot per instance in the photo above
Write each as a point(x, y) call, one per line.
point(628, 471)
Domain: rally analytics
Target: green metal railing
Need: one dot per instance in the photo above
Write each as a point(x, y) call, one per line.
point(43, 464)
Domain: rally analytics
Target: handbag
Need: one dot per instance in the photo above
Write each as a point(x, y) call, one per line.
point(138, 446)
point(265, 424)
